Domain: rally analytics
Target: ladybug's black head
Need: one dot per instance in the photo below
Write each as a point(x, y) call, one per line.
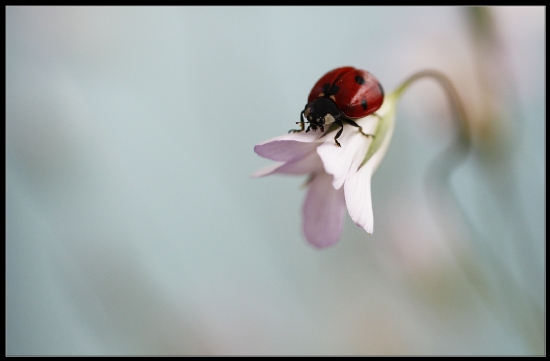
point(320, 112)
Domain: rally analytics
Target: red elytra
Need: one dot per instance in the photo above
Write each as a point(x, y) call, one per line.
point(356, 92)
point(339, 97)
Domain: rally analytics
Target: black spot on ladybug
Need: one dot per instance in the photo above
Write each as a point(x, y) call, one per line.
point(333, 90)
point(359, 80)
point(381, 90)
point(364, 104)
point(329, 90)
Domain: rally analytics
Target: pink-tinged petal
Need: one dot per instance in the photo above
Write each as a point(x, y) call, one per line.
point(323, 212)
point(289, 146)
point(309, 164)
point(339, 161)
point(358, 197)
point(270, 169)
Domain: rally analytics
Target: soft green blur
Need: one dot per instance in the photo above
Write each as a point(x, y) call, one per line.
point(133, 226)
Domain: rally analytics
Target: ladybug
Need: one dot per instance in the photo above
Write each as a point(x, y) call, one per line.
point(339, 97)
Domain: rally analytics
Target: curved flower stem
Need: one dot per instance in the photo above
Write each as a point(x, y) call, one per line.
point(459, 115)
point(502, 293)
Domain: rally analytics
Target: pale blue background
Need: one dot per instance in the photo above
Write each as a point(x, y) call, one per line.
point(133, 226)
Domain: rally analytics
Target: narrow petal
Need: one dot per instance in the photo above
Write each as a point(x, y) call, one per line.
point(309, 164)
point(357, 188)
point(287, 147)
point(359, 200)
point(270, 169)
point(323, 212)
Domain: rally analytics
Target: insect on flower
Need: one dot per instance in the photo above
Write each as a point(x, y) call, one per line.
point(340, 176)
point(341, 96)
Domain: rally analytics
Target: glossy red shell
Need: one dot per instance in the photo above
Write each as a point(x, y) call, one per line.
point(359, 93)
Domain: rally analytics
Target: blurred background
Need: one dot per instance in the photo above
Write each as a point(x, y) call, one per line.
point(133, 226)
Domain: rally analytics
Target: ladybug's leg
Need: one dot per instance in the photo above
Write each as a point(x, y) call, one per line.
point(302, 125)
point(339, 122)
point(353, 123)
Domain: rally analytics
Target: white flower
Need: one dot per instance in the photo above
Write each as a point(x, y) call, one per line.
point(340, 177)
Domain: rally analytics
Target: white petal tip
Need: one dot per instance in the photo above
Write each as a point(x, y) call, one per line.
point(367, 229)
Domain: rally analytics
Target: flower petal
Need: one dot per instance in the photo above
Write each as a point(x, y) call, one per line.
point(357, 188)
point(270, 169)
point(323, 212)
point(289, 146)
point(358, 197)
point(309, 164)
point(338, 161)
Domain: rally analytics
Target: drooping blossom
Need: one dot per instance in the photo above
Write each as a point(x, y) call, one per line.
point(339, 177)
